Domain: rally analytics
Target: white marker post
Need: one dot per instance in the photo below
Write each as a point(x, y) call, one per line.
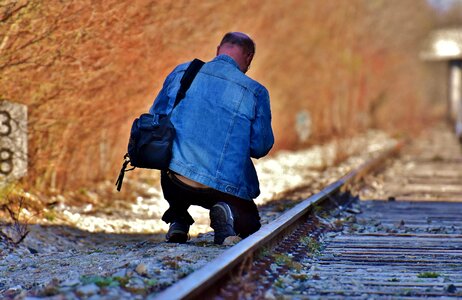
point(13, 141)
point(303, 125)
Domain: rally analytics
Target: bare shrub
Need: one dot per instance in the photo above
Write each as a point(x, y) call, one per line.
point(16, 229)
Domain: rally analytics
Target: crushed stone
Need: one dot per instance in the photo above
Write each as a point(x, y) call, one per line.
point(120, 253)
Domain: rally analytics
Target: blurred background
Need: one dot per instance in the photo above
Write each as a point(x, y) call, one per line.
point(85, 69)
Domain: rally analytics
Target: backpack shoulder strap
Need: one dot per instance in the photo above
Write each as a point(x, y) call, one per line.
point(187, 79)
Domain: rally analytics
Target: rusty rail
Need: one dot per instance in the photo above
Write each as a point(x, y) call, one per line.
point(203, 280)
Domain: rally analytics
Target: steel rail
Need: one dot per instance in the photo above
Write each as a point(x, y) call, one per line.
point(198, 282)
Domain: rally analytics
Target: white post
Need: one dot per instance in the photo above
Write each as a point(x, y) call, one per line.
point(455, 95)
point(13, 141)
point(455, 82)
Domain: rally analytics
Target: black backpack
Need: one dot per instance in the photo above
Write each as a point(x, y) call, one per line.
point(151, 136)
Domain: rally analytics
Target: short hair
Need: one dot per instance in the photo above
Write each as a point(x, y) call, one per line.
point(240, 39)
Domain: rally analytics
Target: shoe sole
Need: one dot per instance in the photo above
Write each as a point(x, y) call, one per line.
point(177, 237)
point(218, 221)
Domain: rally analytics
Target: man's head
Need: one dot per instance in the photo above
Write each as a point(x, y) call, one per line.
point(240, 47)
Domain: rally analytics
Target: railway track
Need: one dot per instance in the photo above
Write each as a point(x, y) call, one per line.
point(407, 242)
point(332, 246)
point(293, 231)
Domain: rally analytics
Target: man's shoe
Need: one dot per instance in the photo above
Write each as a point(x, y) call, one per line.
point(222, 222)
point(177, 233)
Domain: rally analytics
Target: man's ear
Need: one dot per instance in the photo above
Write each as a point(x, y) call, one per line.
point(249, 58)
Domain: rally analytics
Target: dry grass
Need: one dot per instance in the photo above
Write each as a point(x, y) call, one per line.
point(86, 69)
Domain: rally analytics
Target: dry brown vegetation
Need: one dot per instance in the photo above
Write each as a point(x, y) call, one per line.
point(86, 69)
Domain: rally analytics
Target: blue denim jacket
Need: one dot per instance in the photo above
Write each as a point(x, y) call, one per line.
point(222, 122)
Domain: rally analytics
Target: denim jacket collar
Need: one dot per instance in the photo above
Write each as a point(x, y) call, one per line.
point(228, 59)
